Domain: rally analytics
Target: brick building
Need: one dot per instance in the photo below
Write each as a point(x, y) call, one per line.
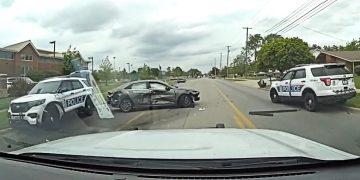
point(20, 58)
point(349, 58)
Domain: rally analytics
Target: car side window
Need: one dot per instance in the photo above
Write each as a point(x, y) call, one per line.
point(66, 86)
point(138, 86)
point(287, 76)
point(157, 86)
point(77, 85)
point(299, 74)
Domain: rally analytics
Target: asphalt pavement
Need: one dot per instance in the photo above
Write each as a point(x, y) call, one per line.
point(221, 101)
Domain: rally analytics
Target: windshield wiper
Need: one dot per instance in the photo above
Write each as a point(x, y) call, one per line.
point(271, 113)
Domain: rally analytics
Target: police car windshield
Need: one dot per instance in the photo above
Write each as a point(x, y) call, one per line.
point(45, 87)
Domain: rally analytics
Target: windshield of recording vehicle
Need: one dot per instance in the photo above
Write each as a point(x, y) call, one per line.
point(187, 79)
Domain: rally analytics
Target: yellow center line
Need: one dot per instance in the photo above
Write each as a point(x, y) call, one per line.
point(131, 121)
point(240, 116)
point(239, 122)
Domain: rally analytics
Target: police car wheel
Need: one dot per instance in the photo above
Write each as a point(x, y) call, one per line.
point(125, 105)
point(51, 117)
point(274, 96)
point(89, 107)
point(310, 101)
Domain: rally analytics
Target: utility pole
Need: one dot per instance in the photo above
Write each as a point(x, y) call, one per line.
point(220, 59)
point(215, 66)
point(227, 61)
point(246, 48)
point(128, 66)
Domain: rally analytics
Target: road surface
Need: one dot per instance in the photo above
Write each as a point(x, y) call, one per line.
point(221, 101)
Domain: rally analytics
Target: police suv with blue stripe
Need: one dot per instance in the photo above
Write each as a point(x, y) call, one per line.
point(49, 100)
point(313, 84)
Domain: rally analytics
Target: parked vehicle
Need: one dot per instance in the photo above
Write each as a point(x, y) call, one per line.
point(11, 80)
point(151, 93)
point(314, 84)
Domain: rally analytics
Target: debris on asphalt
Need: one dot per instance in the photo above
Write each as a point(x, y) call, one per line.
point(201, 109)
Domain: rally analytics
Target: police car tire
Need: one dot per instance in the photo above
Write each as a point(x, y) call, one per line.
point(274, 96)
point(310, 101)
point(89, 107)
point(51, 111)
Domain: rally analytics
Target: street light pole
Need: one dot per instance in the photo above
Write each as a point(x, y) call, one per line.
point(128, 66)
point(114, 63)
point(92, 63)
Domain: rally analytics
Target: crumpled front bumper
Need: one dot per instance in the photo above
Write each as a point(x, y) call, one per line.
point(31, 117)
point(196, 96)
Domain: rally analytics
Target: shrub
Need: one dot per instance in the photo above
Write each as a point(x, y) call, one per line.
point(19, 88)
point(357, 70)
point(41, 75)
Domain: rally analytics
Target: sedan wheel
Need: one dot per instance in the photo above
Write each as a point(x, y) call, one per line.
point(125, 105)
point(185, 101)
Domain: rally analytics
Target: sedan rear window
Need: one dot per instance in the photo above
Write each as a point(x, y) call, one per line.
point(329, 70)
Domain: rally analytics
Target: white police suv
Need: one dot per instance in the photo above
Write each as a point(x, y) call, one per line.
point(47, 102)
point(313, 84)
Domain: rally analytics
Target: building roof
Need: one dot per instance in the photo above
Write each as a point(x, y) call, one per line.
point(44, 53)
point(351, 56)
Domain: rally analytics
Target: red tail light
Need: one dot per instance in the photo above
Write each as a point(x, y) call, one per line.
point(327, 81)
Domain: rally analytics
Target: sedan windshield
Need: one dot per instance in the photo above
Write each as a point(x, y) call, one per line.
point(45, 87)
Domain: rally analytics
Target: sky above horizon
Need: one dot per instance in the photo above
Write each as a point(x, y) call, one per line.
point(185, 33)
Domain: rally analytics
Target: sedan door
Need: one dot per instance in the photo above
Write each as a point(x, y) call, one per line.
point(161, 94)
point(284, 86)
point(139, 93)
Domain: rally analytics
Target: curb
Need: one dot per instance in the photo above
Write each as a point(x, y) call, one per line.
point(353, 108)
point(4, 130)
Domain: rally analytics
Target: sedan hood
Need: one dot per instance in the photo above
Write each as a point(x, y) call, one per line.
point(190, 144)
point(185, 89)
point(30, 97)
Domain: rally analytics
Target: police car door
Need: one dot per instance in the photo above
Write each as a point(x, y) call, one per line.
point(284, 86)
point(66, 94)
point(297, 82)
point(80, 93)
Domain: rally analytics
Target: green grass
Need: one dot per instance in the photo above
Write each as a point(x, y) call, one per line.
point(354, 102)
point(4, 123)
point(357, 82)
point(109, 87)
point(5, 102)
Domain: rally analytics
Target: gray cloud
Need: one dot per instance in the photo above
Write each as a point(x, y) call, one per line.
point(6, 3)
point(161, 39)
point(83, 17)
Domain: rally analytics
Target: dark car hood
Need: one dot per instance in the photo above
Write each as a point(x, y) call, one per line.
point(185, 89)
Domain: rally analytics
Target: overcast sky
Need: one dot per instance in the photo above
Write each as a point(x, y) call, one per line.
point(185, 33)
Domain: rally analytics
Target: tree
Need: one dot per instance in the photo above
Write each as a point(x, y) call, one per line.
point(106, 70)
point(194, 72)
point(68, 56)
point(177, 71)
point(271, 37)
point(254, 44)
point(144, 72)
point(155, 72)
point(168, 71)
point(284, 53)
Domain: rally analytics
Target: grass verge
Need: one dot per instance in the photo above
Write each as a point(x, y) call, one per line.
point(357, 82)
point(231, 79)
point(5, 102)
point(4, 123)
point(354, 102)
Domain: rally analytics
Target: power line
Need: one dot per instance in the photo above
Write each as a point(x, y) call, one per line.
point(319, 32)
point(291, 15)
point(306, 18)
point(297, 19)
